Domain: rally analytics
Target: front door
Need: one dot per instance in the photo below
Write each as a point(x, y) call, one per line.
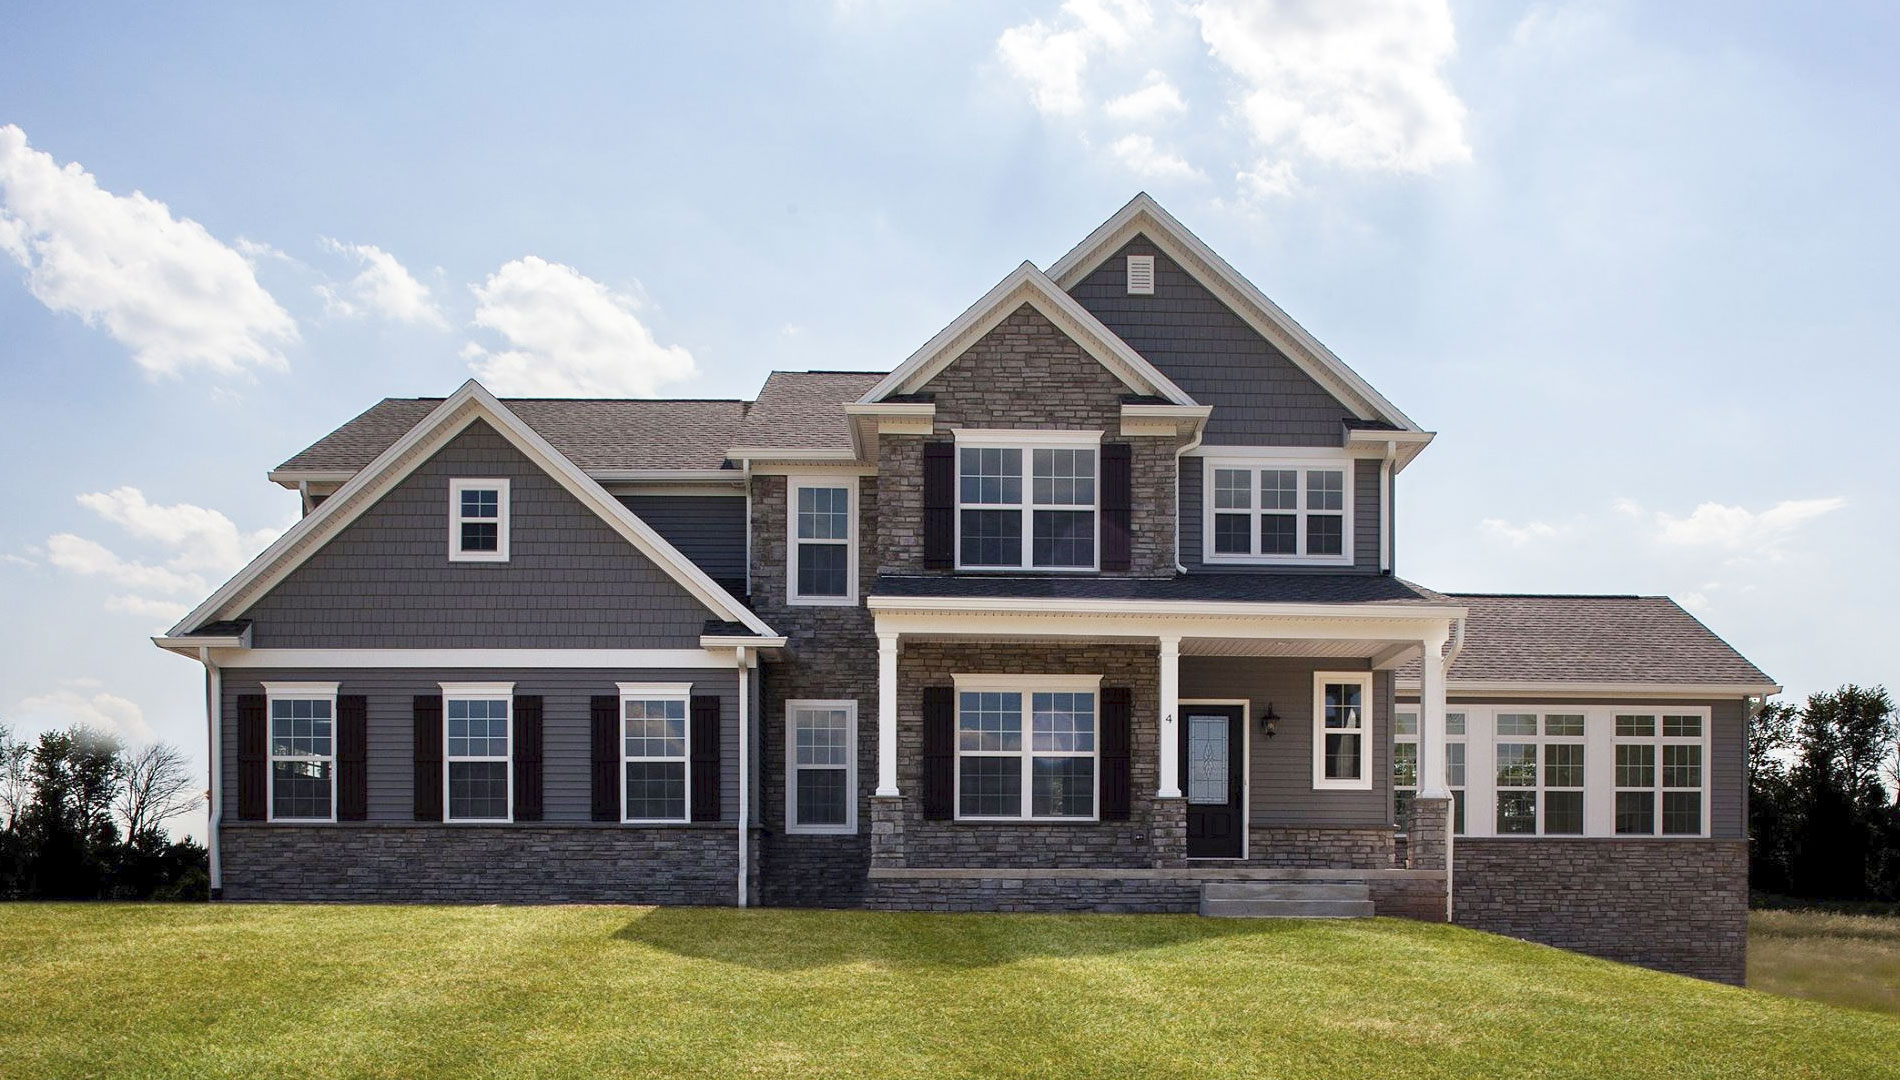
point(1212, 757)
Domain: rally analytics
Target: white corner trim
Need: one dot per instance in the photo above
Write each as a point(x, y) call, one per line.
point(1026, 284)
point(471, 402)
point(1143, 215)
point(477, 689)
point(655, 689)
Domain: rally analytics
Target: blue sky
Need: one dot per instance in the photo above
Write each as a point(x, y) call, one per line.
point(1634, 262)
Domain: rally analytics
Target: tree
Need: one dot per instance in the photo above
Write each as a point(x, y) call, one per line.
point(16, 787)
point(68, 821)
point(156, 786)
point(1774, 811)
point(1840, 841)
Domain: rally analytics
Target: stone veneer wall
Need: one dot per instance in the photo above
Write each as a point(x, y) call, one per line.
point(1102, 844)
point(1025, 373)
point(832, 655)
point(1114, 896)
point(483, 864)
point(1675, 905)
point(1336, 849)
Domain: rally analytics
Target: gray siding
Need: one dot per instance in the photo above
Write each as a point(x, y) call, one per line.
point(1365, 522)
point(567, 755)
point(386, 581)
point(1260, 397)
point(1281, 768)
point(708, 529)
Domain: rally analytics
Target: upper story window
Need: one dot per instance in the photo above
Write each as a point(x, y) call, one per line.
point(1027, 500)
point(823, 542)
point(1047, 771)
point(1342, 730)
point(477, 765)
point(302, 751)
point(478, 520)
point(1279, 510)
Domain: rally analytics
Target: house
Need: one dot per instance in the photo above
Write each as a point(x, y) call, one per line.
point(1089, 604)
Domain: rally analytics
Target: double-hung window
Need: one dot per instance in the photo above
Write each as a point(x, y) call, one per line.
point(302, 751)
point(822, 520)
point(821, 747)
point(1045, 772)
point(1027, 500)
point(1296, 510)
point(1540, 767)
point(1659, 774)
point(478, 520)
point(654, 741)
point(1342, 730)
point(477, 764)
point(1405, 765)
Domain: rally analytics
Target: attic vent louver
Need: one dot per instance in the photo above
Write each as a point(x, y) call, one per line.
point(1141, 275)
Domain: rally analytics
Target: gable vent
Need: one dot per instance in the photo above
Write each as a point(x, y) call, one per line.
point(1141, 275)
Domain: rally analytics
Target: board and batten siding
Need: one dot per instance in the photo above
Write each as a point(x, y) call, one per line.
point(385, 580)
point(708, 529)
point(566, 727)
point(1260, 397)
point(1365, 523)
point(1280, 768)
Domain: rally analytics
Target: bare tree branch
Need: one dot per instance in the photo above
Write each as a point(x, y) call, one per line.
point(16, 788)
point(157, 786)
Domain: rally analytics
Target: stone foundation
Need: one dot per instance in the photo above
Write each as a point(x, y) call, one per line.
point(483, 864)
point(1056, 895)
point(1335, 849)
point(1673, 905)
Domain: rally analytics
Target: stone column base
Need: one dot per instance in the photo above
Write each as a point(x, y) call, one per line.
point(887, 832)
point(1167, 832)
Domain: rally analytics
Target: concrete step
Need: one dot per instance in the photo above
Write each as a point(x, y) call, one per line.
point(1285, 890)
point(1286, 909)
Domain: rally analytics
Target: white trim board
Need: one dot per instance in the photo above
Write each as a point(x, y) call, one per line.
point(474, 659)
point(444, 423)
point(1145, 216)
point(1028, 285)
point(1584, 689)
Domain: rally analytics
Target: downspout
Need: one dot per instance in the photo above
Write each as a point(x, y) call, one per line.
point(1200, 432)
point(214, 694)
point(745, 772)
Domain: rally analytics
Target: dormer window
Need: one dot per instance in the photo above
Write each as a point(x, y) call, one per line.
point(478, 520)
point(1027, 500)
point(1278, 510)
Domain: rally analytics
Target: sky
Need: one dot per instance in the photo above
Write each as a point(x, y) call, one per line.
point(1633, 262)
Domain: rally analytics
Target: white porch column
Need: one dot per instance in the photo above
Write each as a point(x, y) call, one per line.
point(886, 715)
point(1431, 718)
point(1170, 735)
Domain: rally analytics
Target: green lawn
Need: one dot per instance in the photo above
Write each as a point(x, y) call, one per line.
point(241, 991)
point(1842, 959)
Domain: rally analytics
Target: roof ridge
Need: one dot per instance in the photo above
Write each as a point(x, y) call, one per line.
point(1559, 596)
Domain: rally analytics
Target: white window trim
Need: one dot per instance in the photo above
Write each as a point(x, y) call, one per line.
point(1367, 722)
point(1541, 788)
point(456, 486)
point(1027, 440)
point(504, 691)
point(1451, 740)
point(1299, 463)
point(850, 707)
point(298, 691)
point(792, 486)
point(1026, 685)
point(656, 692)
point(1659, 740)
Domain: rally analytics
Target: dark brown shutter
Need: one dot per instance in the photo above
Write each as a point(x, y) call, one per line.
point(1118, 709)
point(352, 758)
point(527, 758)
point(940, 756)
point(428, 714)
point(606, 721)
point(253, 751)
point(940, 505)
point(705, 759)
point(1118, 483)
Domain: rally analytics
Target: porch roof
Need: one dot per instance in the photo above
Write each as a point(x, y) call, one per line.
point(1369, 590)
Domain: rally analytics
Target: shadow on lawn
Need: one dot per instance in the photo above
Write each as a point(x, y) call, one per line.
point(790, 940)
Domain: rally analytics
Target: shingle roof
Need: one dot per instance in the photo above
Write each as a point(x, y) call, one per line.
point(1633, 639)
point(802, 410)
point(1369, 589)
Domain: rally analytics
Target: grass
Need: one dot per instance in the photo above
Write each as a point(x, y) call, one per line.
point(243, 991)
point(1843, 959)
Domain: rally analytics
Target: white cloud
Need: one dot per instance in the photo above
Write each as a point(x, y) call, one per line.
point(1356, 85)
point(90, 558)
point(197, 544)
point(167, 611)
point(1267, 179)
point(568, 335)
point(1156, 100)
point(17, 560)
point(1737, 529)
point(384, 287)
point(161, 286)
point(1143, 158)
point(102, 711)
point(1053, 59)
point(1520, 535)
